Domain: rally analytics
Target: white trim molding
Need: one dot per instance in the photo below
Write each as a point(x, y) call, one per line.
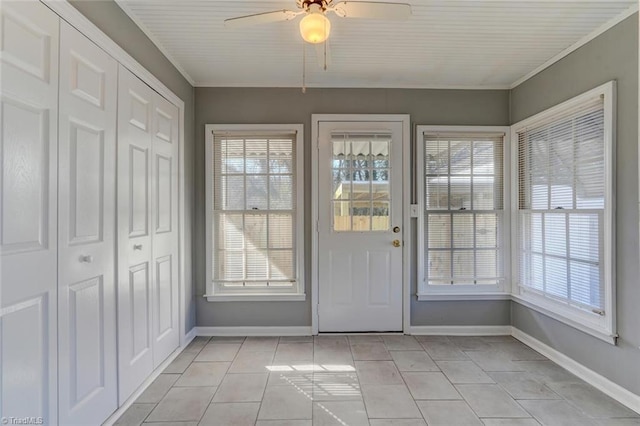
point(191, 334)
point(113, 418)
point(429, 297)
point(578, 325)
point(405, 119)
point(255, 297)
point(460, 330)
point(76, 19)
point(578, 44)
point(500, 291)
point(126, 9)
point(296, 293)
point(598, 324)
point(253, 331)
point(615, 391)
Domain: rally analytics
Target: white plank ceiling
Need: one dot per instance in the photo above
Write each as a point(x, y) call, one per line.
point(445, 43)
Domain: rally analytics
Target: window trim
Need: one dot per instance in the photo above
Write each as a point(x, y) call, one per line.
point(259, 294)
point(602, 327)
point(501, 291)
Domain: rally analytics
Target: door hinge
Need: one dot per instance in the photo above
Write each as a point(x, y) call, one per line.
point(317, 226)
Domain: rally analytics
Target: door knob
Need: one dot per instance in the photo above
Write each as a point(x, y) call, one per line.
point(396, 229)
point(137, 246)
point(86, 259)
point(396, 243)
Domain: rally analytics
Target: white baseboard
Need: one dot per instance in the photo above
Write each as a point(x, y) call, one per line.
point(615, 391)
point(154, 375)
point(461, 330)
point(190, 336)
point(253, 331)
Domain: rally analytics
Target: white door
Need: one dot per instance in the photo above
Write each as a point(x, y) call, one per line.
point(164, 226)
point(28, 210)
point(359, 218)
point(86, 225)
point(135, 141)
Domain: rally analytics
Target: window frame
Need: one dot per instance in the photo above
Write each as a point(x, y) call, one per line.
point(600, 326)
point(425, 292)
point(260, 293)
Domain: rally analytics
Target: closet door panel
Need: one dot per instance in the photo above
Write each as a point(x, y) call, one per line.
point(135, 269)
point(28, 216)
point(87, 218)
point(164, 218)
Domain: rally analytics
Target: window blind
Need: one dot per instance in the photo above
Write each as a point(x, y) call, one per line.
point(561, 202)
point(463, 193)
point(254, 217)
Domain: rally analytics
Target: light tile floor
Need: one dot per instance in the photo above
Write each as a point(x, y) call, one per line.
point(369, 380)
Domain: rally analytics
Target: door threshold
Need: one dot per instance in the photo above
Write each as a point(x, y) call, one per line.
point(360, 333)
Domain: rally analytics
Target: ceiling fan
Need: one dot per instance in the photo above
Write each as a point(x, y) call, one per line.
point(315, 26)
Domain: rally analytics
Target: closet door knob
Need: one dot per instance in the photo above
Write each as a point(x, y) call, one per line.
point(86, 259)
point(137, 246)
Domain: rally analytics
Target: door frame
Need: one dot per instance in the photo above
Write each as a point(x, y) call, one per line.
point(405, 119)
point(67, 12)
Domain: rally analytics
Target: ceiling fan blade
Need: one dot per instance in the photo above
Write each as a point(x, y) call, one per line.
point(260, 18)
point(372, 10)
point(323, 53)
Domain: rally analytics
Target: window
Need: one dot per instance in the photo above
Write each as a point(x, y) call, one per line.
point(254, 177)
point(463, 222)
point(564, 210)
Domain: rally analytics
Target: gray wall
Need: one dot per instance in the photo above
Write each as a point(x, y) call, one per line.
point(264, 106)
point(611, 56)
point(108, 16)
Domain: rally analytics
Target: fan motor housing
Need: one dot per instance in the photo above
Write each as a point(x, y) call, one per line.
point(307, 4)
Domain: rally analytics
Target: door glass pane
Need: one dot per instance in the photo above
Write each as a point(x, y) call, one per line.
point(361, 216)
point(341, 216)
point(361, 187)
point(341, 184)
point(380, 218)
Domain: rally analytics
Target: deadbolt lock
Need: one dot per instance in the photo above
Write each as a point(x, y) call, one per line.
point(396, 243)
point(396, 229)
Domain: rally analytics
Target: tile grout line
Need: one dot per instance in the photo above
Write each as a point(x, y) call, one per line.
point(561, 398)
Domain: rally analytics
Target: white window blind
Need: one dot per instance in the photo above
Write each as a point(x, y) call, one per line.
point(463, 216)
point(561, 206)
point(254, 212)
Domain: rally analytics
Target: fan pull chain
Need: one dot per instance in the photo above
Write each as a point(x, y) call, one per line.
point(304, 68)
point(325, 46)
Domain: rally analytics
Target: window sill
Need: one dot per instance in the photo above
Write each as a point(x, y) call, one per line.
point(551, 313)
point(425, 297)
point(283, 297)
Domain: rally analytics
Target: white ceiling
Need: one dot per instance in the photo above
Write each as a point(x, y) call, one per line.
point(445, 43)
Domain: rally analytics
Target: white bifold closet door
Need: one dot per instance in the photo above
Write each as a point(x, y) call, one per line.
point(147, 231)
point(28, 210)
point(86, 231)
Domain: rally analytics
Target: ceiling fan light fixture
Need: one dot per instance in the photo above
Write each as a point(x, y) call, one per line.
point(315, 27)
